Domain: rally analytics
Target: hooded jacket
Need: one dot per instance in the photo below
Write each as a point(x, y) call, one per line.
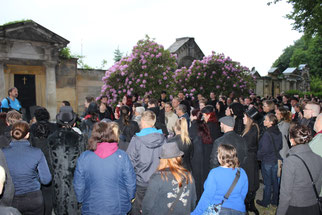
point(144, 151)
point(104, 180)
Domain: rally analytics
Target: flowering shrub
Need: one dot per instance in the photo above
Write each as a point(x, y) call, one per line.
point(147, 71)
point(213, 73)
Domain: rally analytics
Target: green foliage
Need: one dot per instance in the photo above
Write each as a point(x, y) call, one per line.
point(65, 53)
point(306, 15)
point(103, 64)
point(117, 55)
point(306, 50)
point(291, 93)
point(17, 21)
point(81, 63)
point(316, 84)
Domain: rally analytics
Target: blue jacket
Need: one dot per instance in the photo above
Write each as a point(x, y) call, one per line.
point(27, 165)
point(266, 151)
point(216, 186)
point(104, 185)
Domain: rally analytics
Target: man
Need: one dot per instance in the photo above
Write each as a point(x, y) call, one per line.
point(247, 102)
point(11, 102)
point(268, 107)
point(316, 143)
point(88, 100)
point(213, 100)
point(286, 103)
point(138, 111)
point(294, 101)
point(311, 111)
point(163, 97)
point(160, 116)
point(175, 103)
point(181, 111)
point(183, 101)
point(227, 125)
point(144, 151)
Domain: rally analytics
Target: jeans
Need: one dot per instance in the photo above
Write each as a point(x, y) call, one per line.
point(139, 195)
point(29, 203)
point(269, 173)
point(229, 211)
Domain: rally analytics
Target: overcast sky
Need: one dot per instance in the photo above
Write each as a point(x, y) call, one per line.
point(248, 31)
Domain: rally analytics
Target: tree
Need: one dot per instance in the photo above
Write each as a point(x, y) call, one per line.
point(307, 16)
point(117, 55)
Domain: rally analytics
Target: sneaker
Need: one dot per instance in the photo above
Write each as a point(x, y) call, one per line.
point(260, 203)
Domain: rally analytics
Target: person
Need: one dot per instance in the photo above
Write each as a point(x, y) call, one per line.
point(284, 118)
point(181, 111)
point(170, 118)
point(184, 143)
point(103, 112)
point(11, 118)
point(268, 153)
point(6, 195)
point(316, 143)
point(175, 103)
point(11, 102)
point(251, 136)
point(28, 168)
point(212, 101)
point(5, 209)
point(227, 125)
point(109, 111)
point(90, 119)
point(42, 117)
point(65, 103)
point(219, 181)
point(311, 111)
point(268, 107)
point(202, 145)
point(171, 188)
point(211, 120)
point(65, 146)
point(220, 109)
point(296, 194)
point(160, 115)
point(128, 128)
point(163, 97)
point(137, 114)
point(144, 151)
point(237, 110)
point(88, 100)
point(104, 179)
point(184, 101)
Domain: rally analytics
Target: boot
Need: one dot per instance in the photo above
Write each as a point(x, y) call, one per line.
point(253, 208)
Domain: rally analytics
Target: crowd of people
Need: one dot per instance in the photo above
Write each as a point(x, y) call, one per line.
point(161, 156)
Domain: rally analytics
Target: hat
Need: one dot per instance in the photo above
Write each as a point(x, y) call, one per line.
point(252, 113)
point(207, 109)
point(66, 116)
point(238, 109)
point(228, 120)
point(170, 150)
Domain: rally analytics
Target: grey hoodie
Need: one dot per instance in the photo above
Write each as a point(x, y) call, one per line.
point(144, 152)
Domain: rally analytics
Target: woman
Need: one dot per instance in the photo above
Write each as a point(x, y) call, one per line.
point(212, 122)
point(268, 152)
point(237, 110)
point(296, 194)
point(219, 181)
point(184, 142)
point(90, 119)
point(65, 147)
point(104, 112)
point(251, 136)
point(104, 180)
point(128, 128)
point(171, 188)
point(170, 117)
point(202, 146)
point(220, 109)
point(28, 169)
point(284, 118)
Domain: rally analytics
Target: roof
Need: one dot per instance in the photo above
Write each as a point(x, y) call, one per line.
point(178, 43)
point(302, 66)
point(289, 70)
point(273, 69)
point(32, 31)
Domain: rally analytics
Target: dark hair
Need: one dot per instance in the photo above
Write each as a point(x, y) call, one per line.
point(19, 130)
point(41, 130)
point(153, 102)
point(213, 117)
point(136, 104)
point(66, 103)
point(272, 118)
point(221, 106)
point(286, 115)
point(124, 111)
point(301, 134)
point(203, 129)
point(228, 155)
point(41, 114)
point(3, 117)
point(89, 99)
point(103, 132)
point(11, 89)
point(93, 111)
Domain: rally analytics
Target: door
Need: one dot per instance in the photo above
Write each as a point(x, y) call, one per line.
point(26, 92)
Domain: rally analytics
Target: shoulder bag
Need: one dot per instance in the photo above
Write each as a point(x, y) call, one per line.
point(318, 199)
point(215, 209)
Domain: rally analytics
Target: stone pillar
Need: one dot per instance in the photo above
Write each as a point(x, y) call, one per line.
point(2, 82)
point(51, 88)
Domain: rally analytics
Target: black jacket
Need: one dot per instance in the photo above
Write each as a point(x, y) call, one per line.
point(127, 132)
point(8, 189)
point(162, 193)
point(229, 138)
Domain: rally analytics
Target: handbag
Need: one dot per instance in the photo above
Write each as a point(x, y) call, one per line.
point(318, 199)
point(279, 161)
point(215, 209)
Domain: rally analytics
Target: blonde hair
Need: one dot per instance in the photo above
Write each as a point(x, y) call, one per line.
point(248, 126)
point(149, 117)
point(177, 170)
point(182, 126)
point(227, 155)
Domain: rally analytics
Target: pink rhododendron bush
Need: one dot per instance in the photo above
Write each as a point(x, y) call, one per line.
point(215, 73)
point(147, 71)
